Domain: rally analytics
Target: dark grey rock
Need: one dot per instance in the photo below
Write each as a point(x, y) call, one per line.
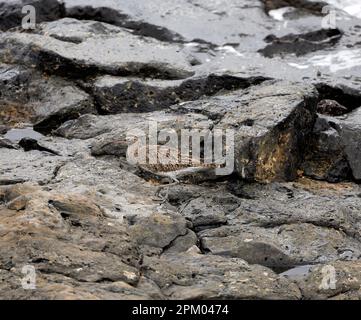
point(28, 96)
point(271, 122)
point(113, 13)
point(325, 157)
point(314, 7)
point(301, 44)
point(277, 225)
point(29, 144)
point(117, 95)
point(350, 133)
point(334, 149)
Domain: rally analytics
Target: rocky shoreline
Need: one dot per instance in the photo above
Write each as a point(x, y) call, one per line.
point(94, 226)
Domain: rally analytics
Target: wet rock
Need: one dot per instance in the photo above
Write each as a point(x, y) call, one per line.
point(46, 10)
point(215, 22)
point(44, 101)
point(337, 97)
point(113, 14)
point(112, 51)
point(334, 65)
point(15, 135)
point(196, 276)
point(301, 44)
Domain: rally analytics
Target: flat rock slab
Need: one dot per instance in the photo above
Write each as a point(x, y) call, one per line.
point(216, 22)
point(196, 276)
point(111, 50)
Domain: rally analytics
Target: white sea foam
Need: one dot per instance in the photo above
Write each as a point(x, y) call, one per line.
point(278, 14)
point(230, 49)
point(298, 66)
point(341, 60)
point(352, 7)
point(336, 61)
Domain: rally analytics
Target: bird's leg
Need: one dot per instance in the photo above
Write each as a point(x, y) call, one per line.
point(165, 197)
